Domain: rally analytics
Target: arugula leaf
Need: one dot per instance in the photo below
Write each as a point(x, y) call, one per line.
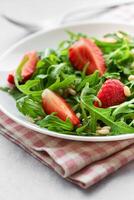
point(46, 53)
point(104, 115)
point(55, 71)
point(18, 77)
point(54, 123)
point(63, 84)
point(124, 108)
point(14, 92)
point(58, 71)
point(29, 107)
point(92, 79)
point(29, 85)
point(26, 87)
point(114, 75)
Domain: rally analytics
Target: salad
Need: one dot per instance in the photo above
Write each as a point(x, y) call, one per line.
point(83, 87)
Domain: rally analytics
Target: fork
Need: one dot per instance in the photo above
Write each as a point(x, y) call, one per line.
point(71, 16)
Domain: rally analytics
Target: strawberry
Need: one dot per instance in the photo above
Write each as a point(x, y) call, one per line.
point(30, 65)
point(85, 51)
point(10, 77)
point(52, 102)
point(111, 93)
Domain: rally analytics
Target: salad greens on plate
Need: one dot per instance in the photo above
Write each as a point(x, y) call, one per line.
point(83, 87)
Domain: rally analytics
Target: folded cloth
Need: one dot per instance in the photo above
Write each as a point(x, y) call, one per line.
point(83, 163)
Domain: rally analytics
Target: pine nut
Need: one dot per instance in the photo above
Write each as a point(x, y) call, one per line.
point(127, 91)
point(132, 51)
point(120, 35)
point(106, 127)
point(60, 91)
point(98, 128)
point(109, 40)
point(131, 78)
point(72, 86)
point(39, 118)
point(103, 131)
point(29, 119)
point(78, 115)
point(72, 91)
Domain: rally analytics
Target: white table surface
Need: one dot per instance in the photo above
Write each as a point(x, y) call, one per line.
point(21, 176)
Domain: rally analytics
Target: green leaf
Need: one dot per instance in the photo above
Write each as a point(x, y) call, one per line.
point(26, 87)
point(92, 79)
point(14, 92)
point(29, 85)
point(54, 123)
point(18, 76)
point(58, 71)
point(124, 108)
point(105, 115)
point(55, 71)
point(75, 36)
point(29, 107)
point(114, 75)
point(82, 129)
point(121, 128)
point(63, 84)
point(46, 53)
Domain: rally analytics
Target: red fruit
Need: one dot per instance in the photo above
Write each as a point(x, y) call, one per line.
point(30, 65)
point(52, 102)
point(10, 77)
point(111, 93)
point(85, 51)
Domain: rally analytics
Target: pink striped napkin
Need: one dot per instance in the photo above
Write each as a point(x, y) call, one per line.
point(83, 163)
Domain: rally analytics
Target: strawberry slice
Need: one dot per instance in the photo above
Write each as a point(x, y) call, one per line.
point(85, 51)
point(29, 67)
point(52, 102)
point(10, 77)
point(111, 94)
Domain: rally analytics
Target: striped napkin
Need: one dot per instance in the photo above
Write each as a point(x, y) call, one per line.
point(83, 163)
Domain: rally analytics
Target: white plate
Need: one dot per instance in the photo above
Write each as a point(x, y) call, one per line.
point(40, 41)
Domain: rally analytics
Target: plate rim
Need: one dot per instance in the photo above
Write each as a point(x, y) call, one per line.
point(58, 27)
point(45, 131)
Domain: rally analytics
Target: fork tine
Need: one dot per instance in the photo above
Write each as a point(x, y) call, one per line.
point(28, 26)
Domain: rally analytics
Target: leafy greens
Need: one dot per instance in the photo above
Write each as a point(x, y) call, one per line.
point(54, 71)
